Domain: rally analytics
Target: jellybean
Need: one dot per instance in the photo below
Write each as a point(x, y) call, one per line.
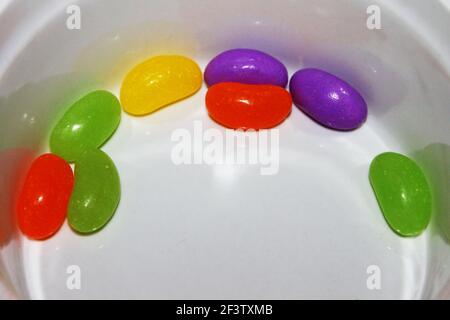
point(158, 82)
point(246, 66)
point(402, 192)
point(96, 193)
point(42, 203)
point(88, 123)
point(245, 106)
point(327, 99)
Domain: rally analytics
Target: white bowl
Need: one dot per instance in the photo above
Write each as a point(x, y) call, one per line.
point(312, 230)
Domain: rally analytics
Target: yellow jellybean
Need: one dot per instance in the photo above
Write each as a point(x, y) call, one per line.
point(158, 82)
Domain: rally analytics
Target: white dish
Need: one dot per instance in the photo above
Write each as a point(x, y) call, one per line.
point(313, 230)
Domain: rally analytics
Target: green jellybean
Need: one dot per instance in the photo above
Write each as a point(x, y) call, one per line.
point(88, 123)
point(96, 192)
point(403, 193)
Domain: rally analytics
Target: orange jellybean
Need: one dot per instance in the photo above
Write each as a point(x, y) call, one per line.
point(43, 201)
point(247, 106)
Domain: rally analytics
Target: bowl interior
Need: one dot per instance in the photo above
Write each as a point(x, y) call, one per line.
point(311, 228)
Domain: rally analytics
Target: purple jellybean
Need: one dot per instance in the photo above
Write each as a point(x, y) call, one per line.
point(246, 66)
point(328, 99)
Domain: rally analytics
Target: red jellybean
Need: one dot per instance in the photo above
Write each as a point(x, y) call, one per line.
point(246, 106)
point(42, 204)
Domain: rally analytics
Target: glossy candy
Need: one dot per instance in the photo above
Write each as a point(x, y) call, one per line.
point(158, 82)
point(327, 99)
point(246, 66)
point(43, 201)
point(244, 106)
point(96, 193)
point(403, 193)
point(88, 123)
